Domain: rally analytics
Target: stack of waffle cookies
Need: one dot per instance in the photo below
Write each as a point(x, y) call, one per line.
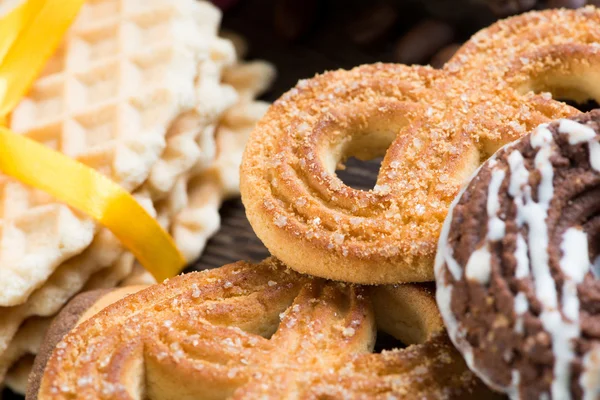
point(148, 94)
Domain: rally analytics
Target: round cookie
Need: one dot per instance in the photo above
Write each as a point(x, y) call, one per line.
point(517, 267)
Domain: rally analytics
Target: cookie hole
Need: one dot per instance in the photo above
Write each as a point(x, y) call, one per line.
point(585, 106)
point(353, 145)
point(385, 341)
point(357, 160)
point(575, 95)
point(568, 80)
point(359, 174)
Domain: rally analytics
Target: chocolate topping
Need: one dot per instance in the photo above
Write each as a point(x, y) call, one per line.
point(517, 273)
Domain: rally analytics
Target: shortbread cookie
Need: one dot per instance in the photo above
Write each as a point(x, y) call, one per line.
point(82, 307)
point(246, 331)
point(518, 271)
point(433, 128)
point(529, 59)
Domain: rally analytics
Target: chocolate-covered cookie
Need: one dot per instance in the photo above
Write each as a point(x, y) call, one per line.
point(518, 265)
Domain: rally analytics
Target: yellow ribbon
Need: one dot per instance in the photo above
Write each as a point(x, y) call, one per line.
point(33, 31)
point(14, 21)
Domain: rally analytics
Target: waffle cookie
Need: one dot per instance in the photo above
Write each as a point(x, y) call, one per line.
point(245, 331)
point(124, 72)
point(192, 220)
point(193, 207)
point(71, 276)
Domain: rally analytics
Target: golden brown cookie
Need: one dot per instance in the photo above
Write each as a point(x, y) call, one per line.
point(433, 128)
point(245, 331)
point(82, 307)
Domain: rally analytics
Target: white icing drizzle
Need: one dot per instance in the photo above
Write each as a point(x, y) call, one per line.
point(575, 262)
point(521, 303)
point(519, 175)
point(532, 261)
point(513, 392)
point(595, 154)
point(521, 306)
point(578, 133)
point(443, 291)
point(444, 255)
point(522, 270)
point(590, 378)
point(455, 269)
point(493, 202)
point(535, 215)
point(479, 266)
point(496, 227)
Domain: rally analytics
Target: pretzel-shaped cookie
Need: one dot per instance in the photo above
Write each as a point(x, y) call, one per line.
point(438, 125)
point(512, 69)
point(246, 331)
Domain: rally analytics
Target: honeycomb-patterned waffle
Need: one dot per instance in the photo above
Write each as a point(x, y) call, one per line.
point(105, 252)
point(203, 195)
point(190, 139)
point(198, 219)
point(36, 235)
point(71, 276)
point(125, 71)
point(193, 204)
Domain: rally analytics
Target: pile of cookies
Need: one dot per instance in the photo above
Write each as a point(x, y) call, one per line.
point(148, 94)
point(488, 186)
